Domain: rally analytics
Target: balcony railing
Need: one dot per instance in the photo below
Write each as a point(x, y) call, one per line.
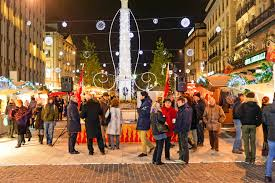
point(214, 37)
point(245, 9)
point(262, 17)
point(214, 54)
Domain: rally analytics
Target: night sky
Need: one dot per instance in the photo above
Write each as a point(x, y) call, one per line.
point(76, 12)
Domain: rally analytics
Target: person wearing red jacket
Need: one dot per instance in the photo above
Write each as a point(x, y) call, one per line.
point(170, 114)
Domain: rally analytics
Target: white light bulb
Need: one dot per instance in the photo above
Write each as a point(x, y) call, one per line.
point(68, 63)
point(155, 21)
point(189, 63)
point(187, 71)
point(131, 35)
point(117, 53)
point(61, 53)
point(179, 70)
point(218, 29)
point(145, 64)
point(104, 65)
point(140, 52)
point(64, 24)
point(29, 23)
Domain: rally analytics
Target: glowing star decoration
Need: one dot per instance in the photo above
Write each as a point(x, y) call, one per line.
point(185, 22)
point(218, 29)
point(64, 24)
point(155, 21)
point(140, 52)
point(48, 40)
point(190, 52)
point(86, 54)
point(29, 23)
point(100, 25)
point(117, 53)
point(131, 35)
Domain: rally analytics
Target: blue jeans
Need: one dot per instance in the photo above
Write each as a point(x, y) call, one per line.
point(271, 156)
point(49, 129)
point(238, 138)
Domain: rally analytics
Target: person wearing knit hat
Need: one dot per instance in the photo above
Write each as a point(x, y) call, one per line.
point(251, 116)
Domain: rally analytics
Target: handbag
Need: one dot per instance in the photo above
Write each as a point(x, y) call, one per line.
point(108, 119)
point(161, 126)
point(6, 121)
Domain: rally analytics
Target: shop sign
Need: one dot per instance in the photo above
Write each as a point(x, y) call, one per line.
point(256, 58)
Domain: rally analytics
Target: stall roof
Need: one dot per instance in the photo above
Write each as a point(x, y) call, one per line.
point(221, 80)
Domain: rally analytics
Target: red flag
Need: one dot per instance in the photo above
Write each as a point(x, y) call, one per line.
point(270, 56)
point(80, 85)
point(167, 85)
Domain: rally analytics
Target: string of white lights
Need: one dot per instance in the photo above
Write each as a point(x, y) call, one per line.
point(110, 20)
point(146, 30)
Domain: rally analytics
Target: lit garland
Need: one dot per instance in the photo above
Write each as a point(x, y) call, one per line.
point(266, 75)
point(203, 81)
point(6, 83)
point(27, 84)
point(237, 80)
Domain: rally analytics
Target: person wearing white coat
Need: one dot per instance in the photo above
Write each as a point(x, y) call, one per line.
point(114, 126)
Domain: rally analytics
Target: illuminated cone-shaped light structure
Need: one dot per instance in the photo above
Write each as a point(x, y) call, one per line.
point(125, 72)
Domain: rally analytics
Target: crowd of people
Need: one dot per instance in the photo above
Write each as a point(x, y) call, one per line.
point(187, 117)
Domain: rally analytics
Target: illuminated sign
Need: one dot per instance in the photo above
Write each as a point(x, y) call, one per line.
point(256, 58)
point(191, 31)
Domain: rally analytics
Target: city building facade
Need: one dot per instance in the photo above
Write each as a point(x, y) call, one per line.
point(221, 34)
point(255, 30)
point(22, 24)
point(195, 52)
point(60, 54)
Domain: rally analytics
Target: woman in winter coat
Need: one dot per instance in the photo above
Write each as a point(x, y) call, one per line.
point(114, 126)
point(160, 137)
point(21, 115)
point(39, 123)
point(170, 114)
point(213, 117)
point(74, 125)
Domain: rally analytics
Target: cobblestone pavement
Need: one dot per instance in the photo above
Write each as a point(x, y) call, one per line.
point(97, 173)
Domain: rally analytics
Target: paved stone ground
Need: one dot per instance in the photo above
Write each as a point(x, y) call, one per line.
point(40, 163)
point(215, 172)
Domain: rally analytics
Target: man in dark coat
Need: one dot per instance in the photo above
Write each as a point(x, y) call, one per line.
point(73, 124)
point(199, 107)
point(91, 112)
point(104, 104)
point(269, 120)
point(251, 117)
point(182, 127)
point(143, 124)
